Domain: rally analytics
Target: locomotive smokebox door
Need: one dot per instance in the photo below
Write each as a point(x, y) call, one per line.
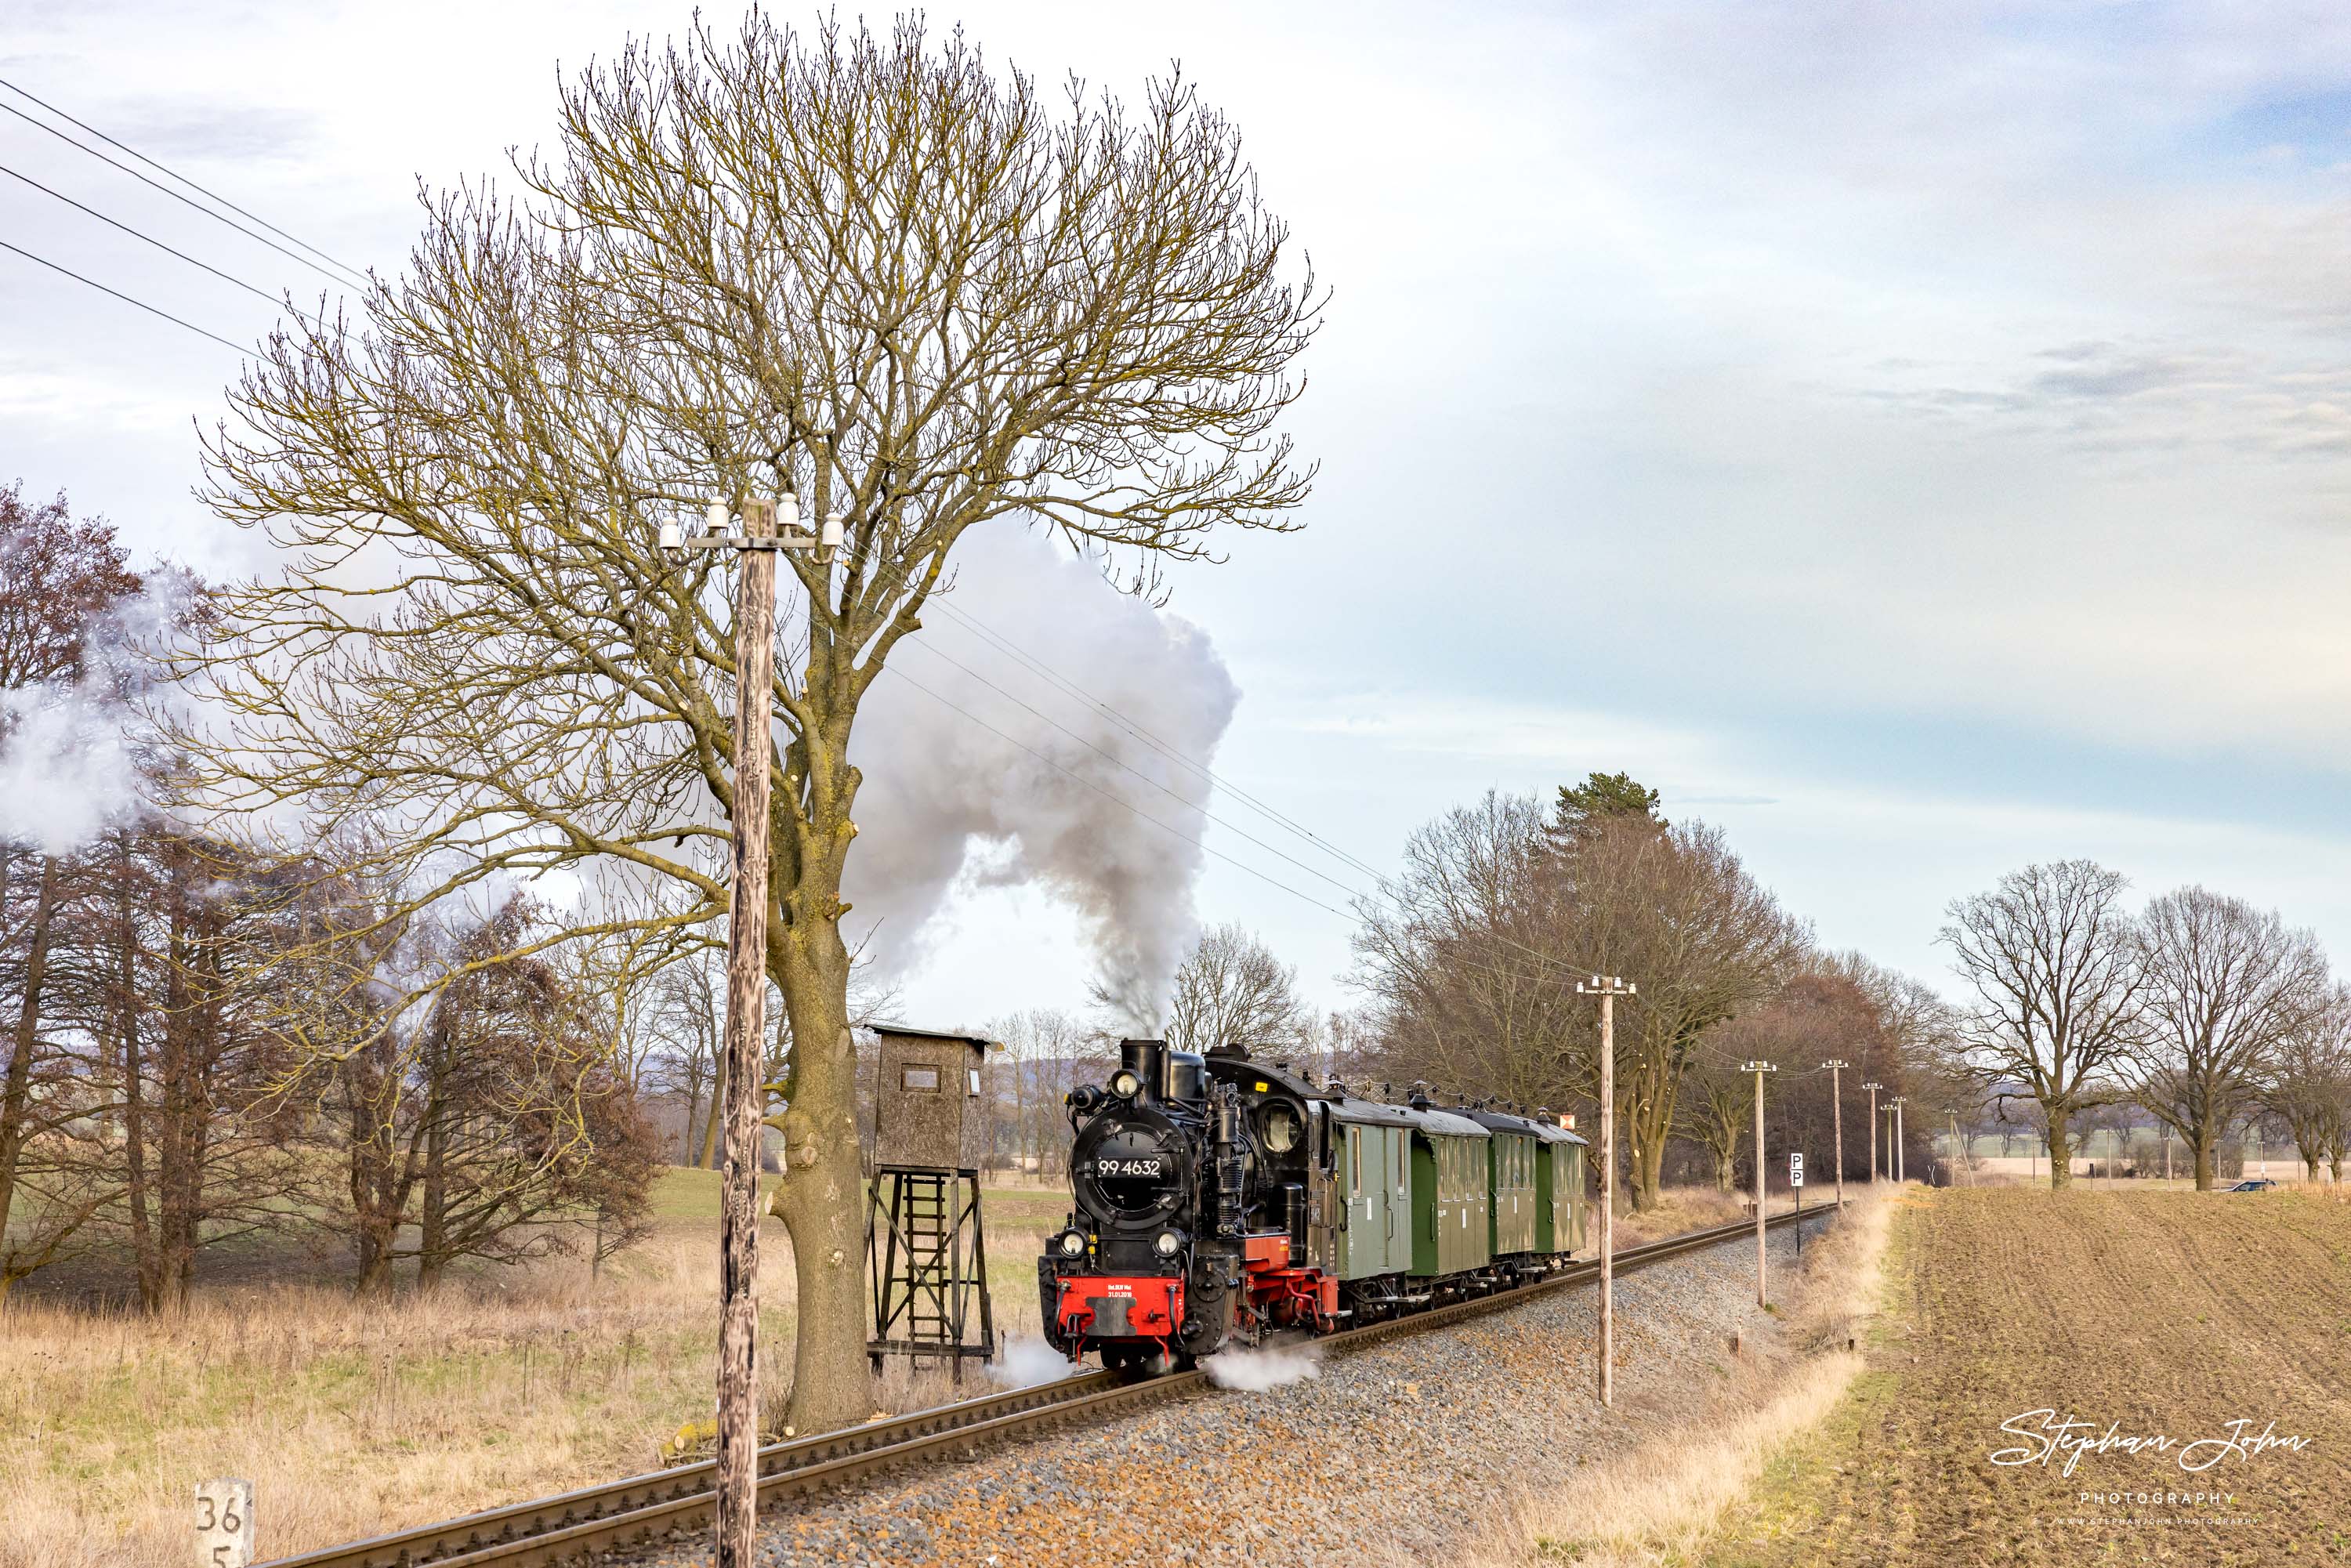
point(925, 1250)
point(928, 1112)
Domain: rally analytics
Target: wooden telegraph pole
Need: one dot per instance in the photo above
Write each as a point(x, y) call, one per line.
point(1607, 987)
point(768, 527)
point(1836, 1117)
point(1872, 1088)
point(1762, 1183)
point(1894, 1106)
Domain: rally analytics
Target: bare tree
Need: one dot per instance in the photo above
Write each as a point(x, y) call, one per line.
point(59, 581)
point(863, 268)
point(1232, 991)
point(1674, 909)
point(1471, 959)
point(2053, 961)
point(1462, 959)
point(2223, 986)
point(2308, 1087)
point(1717, 1108)
point(687, 1013)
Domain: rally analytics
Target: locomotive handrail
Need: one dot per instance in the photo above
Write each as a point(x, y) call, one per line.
point(568, 1525)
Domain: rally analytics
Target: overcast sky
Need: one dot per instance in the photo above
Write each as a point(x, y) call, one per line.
point(1914, 437)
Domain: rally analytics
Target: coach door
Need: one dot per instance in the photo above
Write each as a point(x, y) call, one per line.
point(1376, 1220)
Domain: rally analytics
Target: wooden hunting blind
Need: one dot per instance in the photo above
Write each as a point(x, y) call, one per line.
point(925, 1250)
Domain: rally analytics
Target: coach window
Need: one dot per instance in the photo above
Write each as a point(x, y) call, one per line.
point(1356, 1162)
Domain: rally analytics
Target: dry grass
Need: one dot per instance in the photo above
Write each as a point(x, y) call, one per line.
point(1681, 1209)
point(354, 1417)
point(1661, 1504)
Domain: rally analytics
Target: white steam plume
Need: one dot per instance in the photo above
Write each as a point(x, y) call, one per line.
point(68, 749)
point(944, 799)
point(1254, 1371)
point(1026, 1361)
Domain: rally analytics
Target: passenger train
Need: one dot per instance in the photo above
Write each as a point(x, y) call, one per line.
point(1219, 1199)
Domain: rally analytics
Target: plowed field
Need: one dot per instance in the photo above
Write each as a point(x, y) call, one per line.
point(2210, 1320)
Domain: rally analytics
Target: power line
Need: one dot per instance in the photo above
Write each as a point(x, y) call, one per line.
point(126, 298)
point(216, 195)
point(995, 639)
point(1120, 762)
point(150, 239)
point(1134, 727)
point(1562, 968)
point(176, 195)
point(1114, 799)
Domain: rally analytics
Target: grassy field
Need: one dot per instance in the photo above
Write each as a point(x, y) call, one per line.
point(354, 1417)
point(2165, 1314)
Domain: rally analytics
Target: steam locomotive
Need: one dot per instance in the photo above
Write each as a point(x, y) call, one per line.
point(1220, 1199)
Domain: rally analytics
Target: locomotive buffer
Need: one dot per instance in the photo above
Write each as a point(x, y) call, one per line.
point(926, 1249)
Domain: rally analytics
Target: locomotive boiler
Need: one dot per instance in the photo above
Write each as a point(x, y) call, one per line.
point(1219, 1199)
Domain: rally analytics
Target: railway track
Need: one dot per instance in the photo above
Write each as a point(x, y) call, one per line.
point(571, 1525)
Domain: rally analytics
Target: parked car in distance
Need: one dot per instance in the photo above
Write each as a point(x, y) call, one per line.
point(2258, 1185)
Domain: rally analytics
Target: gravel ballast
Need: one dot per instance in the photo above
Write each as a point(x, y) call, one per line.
point(1401, 1452)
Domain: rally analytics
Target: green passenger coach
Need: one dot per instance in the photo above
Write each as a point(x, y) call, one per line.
point(1451, 1206)
point(1559, 1189)
point(1372, 1200)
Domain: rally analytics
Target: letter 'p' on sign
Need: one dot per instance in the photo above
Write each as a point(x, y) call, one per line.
point(1795, 1170)
point(224, 1524)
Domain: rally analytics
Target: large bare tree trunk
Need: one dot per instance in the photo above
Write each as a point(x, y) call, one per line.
point(15, 1098)
point(2204, 1161)
point(823, 1169)
point(2061, 1149)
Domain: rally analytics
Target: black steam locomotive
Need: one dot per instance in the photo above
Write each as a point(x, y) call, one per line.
point(1219, 1199)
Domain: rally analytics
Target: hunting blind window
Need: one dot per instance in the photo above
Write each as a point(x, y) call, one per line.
point(919, 1080)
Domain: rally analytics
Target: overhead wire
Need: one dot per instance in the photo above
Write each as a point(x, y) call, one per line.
point(182, 179)
point(1114, 799)
point(150, 239)
point(1561, 968)
point(1137, 729)
point(1120, 762)
point(126, 298)
point(996, 640)
point(199, 207)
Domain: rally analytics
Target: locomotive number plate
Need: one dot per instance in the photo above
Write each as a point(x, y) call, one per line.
point(1138, 1167)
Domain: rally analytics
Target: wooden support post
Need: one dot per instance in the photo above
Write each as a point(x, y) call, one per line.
point(1837, 1115)
point(1608, 988)
point(1762, 1179)
point(736, 1479)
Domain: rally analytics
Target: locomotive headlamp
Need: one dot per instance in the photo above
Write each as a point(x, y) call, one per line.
point(1072, 1243)
point(1125, 1084)
point(1168, 1244)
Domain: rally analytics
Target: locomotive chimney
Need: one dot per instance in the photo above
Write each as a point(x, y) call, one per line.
point(1147, 1060)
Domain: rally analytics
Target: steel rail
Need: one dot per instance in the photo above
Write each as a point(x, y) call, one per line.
point(570, 1526)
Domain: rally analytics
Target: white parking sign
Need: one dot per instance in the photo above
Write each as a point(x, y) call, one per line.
point(1795, 1170)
